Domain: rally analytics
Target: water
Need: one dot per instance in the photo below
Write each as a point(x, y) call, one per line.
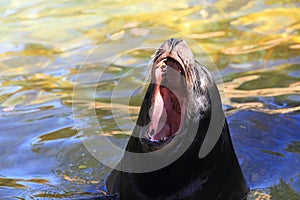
point(45, 45)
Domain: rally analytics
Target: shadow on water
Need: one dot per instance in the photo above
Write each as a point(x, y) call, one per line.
point(255, 45)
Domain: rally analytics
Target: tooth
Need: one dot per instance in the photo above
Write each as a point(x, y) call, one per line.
point(151, 133)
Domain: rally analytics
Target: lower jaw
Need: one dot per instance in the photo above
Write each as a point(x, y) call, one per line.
point(152, 145)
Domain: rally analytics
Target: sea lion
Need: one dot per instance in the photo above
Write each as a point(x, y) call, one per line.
point(176, 104)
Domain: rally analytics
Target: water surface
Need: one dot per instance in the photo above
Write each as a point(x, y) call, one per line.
point(254, 44)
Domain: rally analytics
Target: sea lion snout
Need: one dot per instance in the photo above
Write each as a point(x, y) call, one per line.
point(176, 49)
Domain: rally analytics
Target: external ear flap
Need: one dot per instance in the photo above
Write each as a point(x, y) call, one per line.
point(217, 122)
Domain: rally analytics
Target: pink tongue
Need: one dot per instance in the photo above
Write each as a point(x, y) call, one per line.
point(158, 108)
point(158, 127)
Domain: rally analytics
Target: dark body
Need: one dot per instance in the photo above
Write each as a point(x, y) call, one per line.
point(216, 176)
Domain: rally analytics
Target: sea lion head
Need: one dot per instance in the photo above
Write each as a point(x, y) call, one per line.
point(178, 92)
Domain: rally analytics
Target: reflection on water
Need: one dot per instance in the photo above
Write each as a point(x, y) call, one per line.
point(255, 45)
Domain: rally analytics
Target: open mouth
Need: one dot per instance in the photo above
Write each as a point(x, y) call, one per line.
point(168, 100)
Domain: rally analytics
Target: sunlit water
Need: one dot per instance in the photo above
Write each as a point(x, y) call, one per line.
point(44, 44)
